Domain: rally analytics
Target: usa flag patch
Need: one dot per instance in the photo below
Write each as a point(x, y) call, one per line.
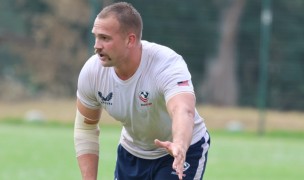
point(183, 83)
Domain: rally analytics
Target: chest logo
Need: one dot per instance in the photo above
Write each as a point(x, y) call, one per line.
point(144, 97)
point(106, 99)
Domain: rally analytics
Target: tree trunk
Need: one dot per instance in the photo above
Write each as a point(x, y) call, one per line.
point(220, 86)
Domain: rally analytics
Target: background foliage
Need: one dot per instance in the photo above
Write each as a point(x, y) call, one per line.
point(44, 43)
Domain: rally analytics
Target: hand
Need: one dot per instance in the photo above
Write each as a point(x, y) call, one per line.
point(178, 152)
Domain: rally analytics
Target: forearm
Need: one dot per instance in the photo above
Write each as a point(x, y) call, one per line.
point(86, 139)
point(88, 164)
point(86, 136)
point(87, 151)
point(182, 111)
point(182, 127)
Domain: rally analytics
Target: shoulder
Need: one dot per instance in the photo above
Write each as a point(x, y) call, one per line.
point(89, 71)
point(92, 62)
point(161, 55)
point(86, 83)
point(91, 67)
point(158, 50)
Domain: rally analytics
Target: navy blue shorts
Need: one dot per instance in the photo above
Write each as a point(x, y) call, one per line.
point(130, 167)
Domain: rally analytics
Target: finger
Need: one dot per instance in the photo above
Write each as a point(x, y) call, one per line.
point(179, 172)
point(180, 176)
point(162, 144)
point(166, 145)
point(178, 166)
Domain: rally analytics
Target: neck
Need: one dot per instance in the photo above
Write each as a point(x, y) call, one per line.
point(131, 64)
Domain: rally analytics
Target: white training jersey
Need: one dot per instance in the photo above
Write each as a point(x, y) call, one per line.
point(139, 103)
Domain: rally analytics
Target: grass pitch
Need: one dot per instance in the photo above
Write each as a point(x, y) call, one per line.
point(46, 151)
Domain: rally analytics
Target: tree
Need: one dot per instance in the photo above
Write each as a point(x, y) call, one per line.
point(59, 45)
point(221, 86)
point(285, 67)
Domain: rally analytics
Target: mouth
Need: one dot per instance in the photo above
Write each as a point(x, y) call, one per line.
point(101, 55)
point(98, 52)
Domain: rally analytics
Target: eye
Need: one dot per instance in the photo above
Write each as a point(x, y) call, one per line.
point(104, 38)
point(98, 36)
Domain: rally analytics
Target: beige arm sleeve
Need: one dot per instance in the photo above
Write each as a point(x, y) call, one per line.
point(86, 136)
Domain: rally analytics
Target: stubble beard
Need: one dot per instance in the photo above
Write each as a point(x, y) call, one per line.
point(105, 60)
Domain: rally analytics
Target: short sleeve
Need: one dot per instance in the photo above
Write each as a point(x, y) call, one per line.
point(174, 77)
point(86, 85)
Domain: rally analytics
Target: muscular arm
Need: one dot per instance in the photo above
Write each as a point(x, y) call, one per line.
point(86, 135)
point(181, 108)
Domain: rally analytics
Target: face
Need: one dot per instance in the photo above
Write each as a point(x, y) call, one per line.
point(110, 43)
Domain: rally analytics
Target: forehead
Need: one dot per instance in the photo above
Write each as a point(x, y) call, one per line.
point(108, 25)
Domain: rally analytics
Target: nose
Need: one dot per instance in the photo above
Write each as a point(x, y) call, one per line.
point(98, 44)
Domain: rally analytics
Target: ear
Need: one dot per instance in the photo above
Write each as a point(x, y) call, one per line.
point(131, 40)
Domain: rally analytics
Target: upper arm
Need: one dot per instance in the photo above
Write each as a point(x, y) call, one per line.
point(173, 78)
point(181, 103)
point(92, 116)
point(87, 86)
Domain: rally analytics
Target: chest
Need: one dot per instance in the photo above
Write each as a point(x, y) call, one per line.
point(132, 100)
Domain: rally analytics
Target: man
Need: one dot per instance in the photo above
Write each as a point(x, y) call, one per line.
point(148, 88)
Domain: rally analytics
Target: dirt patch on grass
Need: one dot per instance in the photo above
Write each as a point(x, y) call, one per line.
point(250, 119)
point(215, 117)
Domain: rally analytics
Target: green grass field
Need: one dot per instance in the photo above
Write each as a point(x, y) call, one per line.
point(46, 152)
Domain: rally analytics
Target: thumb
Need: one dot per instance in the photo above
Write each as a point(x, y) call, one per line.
point(162, 144)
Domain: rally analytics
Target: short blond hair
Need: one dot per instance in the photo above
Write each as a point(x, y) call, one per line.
point(128, 17)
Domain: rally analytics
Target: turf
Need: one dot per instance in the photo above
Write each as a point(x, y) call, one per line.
point(37, 152)
point(242, 156)
point(46, 151)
